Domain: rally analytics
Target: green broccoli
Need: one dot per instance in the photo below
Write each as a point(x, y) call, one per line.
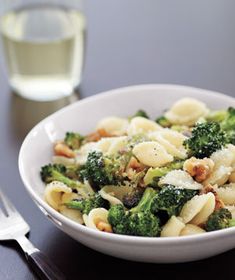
point(228, 125)
point(163, 121)
point(154, 174)
point(57, 172)
point(87, 204)
point(73, 140)
point(206, 138)
point(118, 218)
point(219, 219)
point(136, 221)
point(216, 116)
point(171, 200)
point(100, 170)
point(226, 119)
point(140, 113)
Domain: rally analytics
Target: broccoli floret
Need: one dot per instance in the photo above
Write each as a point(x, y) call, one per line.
point(72, 171)
point(219, 219)
point(51, 171)
point(226, 119)
point(228, 125)
point(136, 221)
point(140, 113)
point(87, 204)
point(171, 200)
point(57, 172)
point(154, 174)
point(216, 116)
point(132, 198)
point(144, 224)
point(163, 121)
point(73, 140)
point(100, 170)
point(146, 201)
point(118, 217)
point(206, 138)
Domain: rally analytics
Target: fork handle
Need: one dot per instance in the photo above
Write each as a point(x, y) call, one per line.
point(43, 267)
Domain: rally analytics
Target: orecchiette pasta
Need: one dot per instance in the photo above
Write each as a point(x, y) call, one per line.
point(104, 144)
point(84, 151)
point(173, 227)
point(139, 125)
point(114, 194)
point(117, 145)
point(186, 111)
point(190, 229)
point(198, 209)
point(63, 160)
point(223, 160)
point(172, 141)
point(152, 154)
point(113, 125)
point(227, 193)
point(232, 177)
point(53, 193)
point(73, 214)
point(98, 219)
point(180, 179)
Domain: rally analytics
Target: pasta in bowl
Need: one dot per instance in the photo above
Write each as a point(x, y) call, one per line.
point(141, 180)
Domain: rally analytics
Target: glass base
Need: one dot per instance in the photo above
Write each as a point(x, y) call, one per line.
point(42, 90)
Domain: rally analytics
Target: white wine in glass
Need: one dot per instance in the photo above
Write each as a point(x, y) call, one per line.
point(44, 49)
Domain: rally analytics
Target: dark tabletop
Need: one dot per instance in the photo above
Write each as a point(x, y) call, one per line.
point(129, 42)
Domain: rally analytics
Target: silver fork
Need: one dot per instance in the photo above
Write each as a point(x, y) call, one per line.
point(14, 227)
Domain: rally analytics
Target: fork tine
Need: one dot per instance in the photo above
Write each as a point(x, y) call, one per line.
point(6, 203)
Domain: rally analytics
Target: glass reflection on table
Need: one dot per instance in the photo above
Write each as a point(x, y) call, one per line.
point(25, 114)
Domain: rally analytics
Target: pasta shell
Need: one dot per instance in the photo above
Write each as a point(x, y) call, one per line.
point(113, 125)
point(53, 193)
point(190, 229)
point(140, 125)
point(63, 160)
point(82, 154)
point(180, 179)
point(152, 154)
point(66, 197)
point(198, 209)
point(95, 216)
point(114, 194)
point(186, 111)
point(227, 193)
point(173, 227)
point(223, 160)
point(232, 177)
point(117, 145)
point(172, 141)
point(72, 214)
point(104, 144)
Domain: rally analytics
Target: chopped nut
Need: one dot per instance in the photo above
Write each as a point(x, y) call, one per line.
point(61, 149)
point(97, 135)
point(133, 168)
point(218, 202)
point(135, 165)
point(103, 226)
point(200, 169)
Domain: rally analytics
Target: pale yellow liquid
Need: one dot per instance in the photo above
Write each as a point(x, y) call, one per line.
point(44, 48)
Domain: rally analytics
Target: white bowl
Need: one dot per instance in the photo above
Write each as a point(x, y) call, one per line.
point(82, 116)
